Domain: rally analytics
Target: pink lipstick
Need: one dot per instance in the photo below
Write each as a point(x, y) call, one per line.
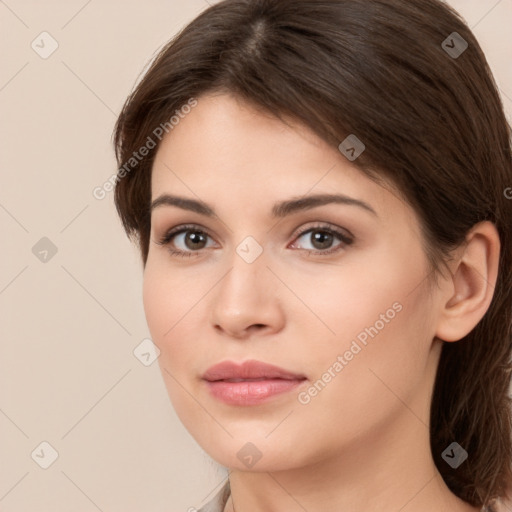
point(250, 383)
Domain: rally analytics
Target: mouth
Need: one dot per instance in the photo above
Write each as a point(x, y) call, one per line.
point(257, 379)
point(248, 370)
point(250, 391)
point(249, 383)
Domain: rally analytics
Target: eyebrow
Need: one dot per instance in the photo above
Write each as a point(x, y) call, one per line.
point(281, 209)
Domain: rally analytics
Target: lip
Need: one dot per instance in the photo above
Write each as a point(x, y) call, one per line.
point(250, 383)
point(248, 370)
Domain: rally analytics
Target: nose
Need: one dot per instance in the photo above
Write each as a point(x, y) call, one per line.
point(245, 302)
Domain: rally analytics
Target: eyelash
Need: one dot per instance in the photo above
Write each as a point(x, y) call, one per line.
point(167, 238)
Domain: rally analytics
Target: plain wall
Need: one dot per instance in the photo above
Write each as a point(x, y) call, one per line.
point(70, 324)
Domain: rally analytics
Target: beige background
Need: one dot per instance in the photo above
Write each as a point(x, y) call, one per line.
point(68, 374)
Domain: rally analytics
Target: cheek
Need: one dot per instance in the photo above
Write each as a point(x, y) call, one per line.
point(174, 314)
point(384, 360)
point(156, 304)
point(370, 390)
point(165, 307)
point(343, 301)
point(380, 322)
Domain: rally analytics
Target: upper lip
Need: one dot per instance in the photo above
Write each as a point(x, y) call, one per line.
point(248, 370)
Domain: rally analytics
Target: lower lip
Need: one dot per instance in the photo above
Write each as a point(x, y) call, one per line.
point(250, 393)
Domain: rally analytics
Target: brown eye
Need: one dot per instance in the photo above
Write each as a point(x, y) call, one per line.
point(195, 240)
point(186, 240)
point(322, 240)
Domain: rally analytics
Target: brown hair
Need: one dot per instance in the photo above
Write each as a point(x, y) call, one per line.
point(433, 124)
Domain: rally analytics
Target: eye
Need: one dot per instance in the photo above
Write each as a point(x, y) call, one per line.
point(190, 240)
point(321, 239)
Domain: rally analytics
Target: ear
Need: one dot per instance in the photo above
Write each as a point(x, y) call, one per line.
point(469, 290)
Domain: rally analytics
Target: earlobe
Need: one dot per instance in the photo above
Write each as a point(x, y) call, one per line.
point(470, 288)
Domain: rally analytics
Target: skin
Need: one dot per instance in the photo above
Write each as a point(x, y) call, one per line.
point(362, 442)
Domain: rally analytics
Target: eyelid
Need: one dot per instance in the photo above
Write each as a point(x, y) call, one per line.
point(345, 236)
point(177, 230)
point(342, 232)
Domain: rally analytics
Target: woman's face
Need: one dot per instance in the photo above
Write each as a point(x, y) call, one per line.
point(336, 293)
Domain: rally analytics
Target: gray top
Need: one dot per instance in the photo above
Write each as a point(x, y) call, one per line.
point(219, 501)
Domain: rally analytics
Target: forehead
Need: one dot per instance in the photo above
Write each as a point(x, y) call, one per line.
point(224, 151)
point(224, 139)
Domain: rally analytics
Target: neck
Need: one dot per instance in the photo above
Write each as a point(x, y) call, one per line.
point(391, 471)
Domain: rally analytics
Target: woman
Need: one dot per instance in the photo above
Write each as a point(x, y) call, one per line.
point(320, 193)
